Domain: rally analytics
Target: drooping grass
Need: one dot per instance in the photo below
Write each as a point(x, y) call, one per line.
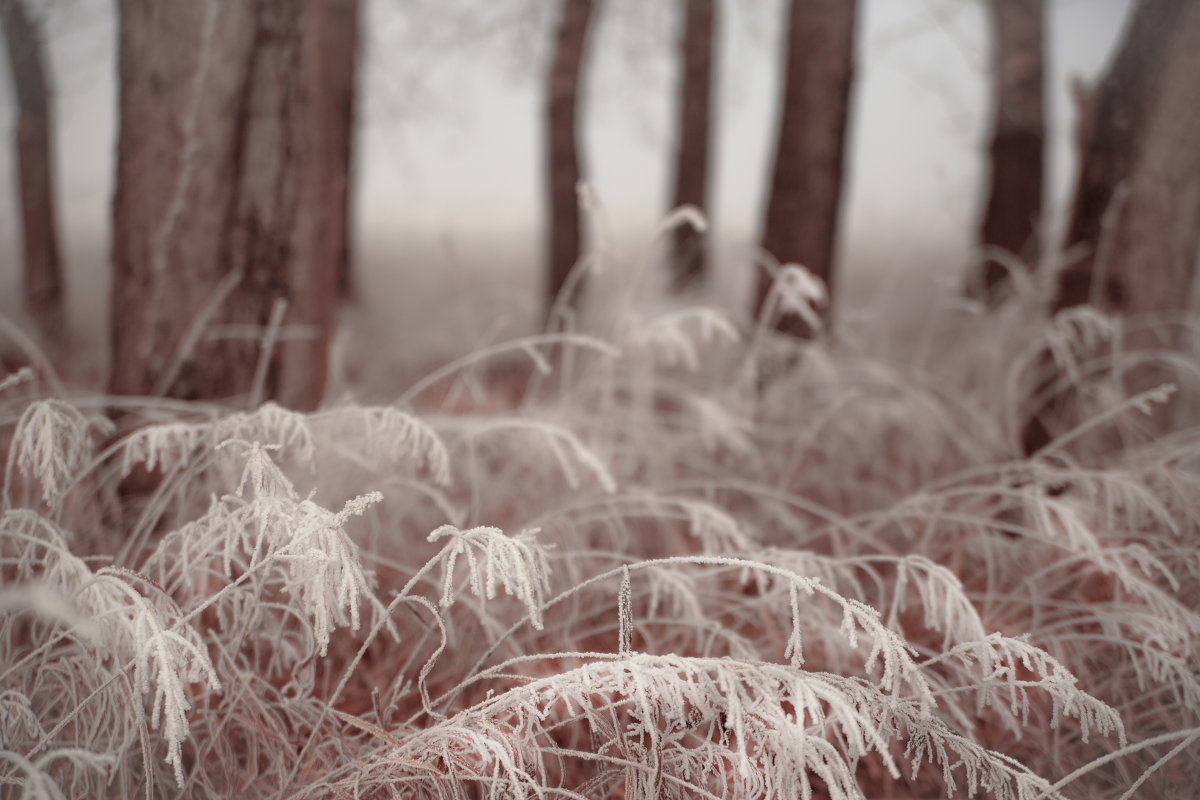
point(684, 559)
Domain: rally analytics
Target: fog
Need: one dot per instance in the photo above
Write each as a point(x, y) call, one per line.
point(448, 177)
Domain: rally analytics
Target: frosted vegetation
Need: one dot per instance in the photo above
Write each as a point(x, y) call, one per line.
point(656, 558)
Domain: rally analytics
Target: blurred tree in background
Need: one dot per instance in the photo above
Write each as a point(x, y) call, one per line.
point(689, 258)
point(1134, 234)
point(1136, 215)
point(230, 216)
point(806, 181)
point(1016, 161)
point(563, 170)
point(43, 280)
point(230, 213)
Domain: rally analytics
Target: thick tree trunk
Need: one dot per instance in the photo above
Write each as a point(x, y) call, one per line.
point(1136, 216)
point(232, 188)
point(806, 183)
point(1137, 205)
point(43, 281)
point(563, 169)
point(1014, 205)
point(689, 256)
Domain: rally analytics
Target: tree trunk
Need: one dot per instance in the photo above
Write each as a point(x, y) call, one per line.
point(43, 281)
point(1014, 205)
point(689, 257)
point(232, 188)
point(806, 183)
point(562, 146)
point(1136, 215)
point(1137, 205)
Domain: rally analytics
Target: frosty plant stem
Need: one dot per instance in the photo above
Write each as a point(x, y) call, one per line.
point(526, 344)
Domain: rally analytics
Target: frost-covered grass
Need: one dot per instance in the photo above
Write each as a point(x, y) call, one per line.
point(664, 557)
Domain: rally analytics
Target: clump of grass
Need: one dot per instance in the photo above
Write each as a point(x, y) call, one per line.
point(688, 558)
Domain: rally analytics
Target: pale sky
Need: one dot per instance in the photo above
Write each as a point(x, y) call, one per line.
point(451, 139)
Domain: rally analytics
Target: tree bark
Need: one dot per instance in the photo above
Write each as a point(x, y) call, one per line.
point(689, 256)
point(1136, 215)
point(232, 188)
point(806, 183)
point(43, 281)
point(562, 149)
point(1014, 204)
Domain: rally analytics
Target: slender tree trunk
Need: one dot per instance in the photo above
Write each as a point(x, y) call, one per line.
point(562, 145)
point(232, 188)
point(806, 182)
point(1136, 215)
point(1014, 205)
point(342, 43)
point(689, 256)
point(43, 282)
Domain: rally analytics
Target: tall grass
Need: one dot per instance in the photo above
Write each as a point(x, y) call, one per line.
point(674, 557)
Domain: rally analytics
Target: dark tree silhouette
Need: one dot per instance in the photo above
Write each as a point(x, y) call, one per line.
point(1016, 163)
point(688, 255)
point(563, 169)
point(230, 216)
point(43, 281)
point(1136, 214)
point(806, 182)
point(1135, 224)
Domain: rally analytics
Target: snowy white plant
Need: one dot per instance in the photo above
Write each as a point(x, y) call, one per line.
point(796, 290)
point(266, 530)
point(165, 652)
point(23, 375)
point(1074, 334)
point(569, 451)
point(272, 425)
point(518, 563)
point(129, 629)
point(53, 440)
point(384, 434)
point(678, 338)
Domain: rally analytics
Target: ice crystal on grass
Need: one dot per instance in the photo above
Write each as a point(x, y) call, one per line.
point(52, 441)
point(272, 425)
point(670, 340)
point(625, 613)
point(129, 629)
point(673, 726)
point(169, 655)
point(388, 432)
point(568, 449)
point(518, 563)
point(797, 291)
point(163, 445)
point(274, 532)
point(23, 375)
point(1011, 666)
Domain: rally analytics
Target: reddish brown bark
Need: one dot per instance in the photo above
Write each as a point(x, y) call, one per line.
point(1014, 204)
point(1136, 214)
point(806, 181)
point(563, 170)
point(1136, 217)
point(43, 281)
point(688, 255)
point(232, 191)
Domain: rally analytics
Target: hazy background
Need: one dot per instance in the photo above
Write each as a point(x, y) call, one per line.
point(448, 201)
